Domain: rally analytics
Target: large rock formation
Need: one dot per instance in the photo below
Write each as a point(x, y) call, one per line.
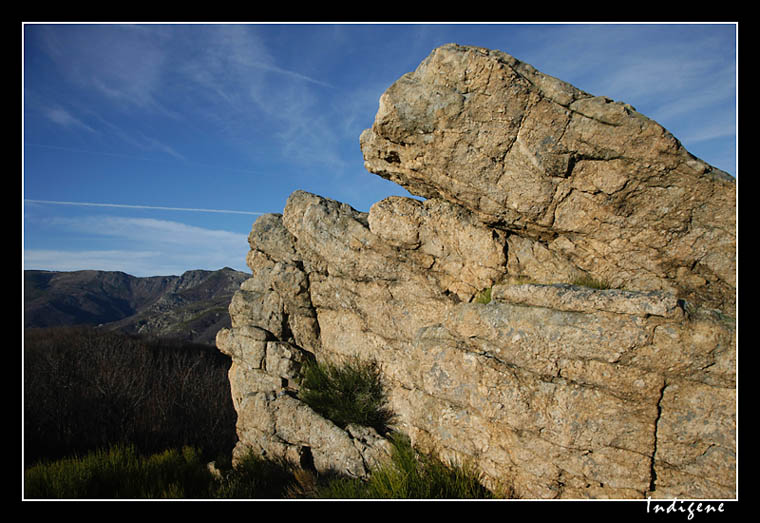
point(530, 186)
point(585, 183)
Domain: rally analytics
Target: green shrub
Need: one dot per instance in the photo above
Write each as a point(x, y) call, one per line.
point(120, 473)
point(410, 475)
point(352, 392)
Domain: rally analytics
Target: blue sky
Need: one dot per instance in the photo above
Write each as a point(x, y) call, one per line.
point(150, 149)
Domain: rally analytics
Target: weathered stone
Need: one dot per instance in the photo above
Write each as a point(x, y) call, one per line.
point(268, 235)
point(284, 360)
point(374, 449)
point(280, 425)
point(557, 390)
point(276, 297)
point(246, 344)
point(573, 298)
point(465, 254)
point(532, 260)
point(696, 442)
point(531, 154)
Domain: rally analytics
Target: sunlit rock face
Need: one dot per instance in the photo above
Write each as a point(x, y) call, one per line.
point(528, 187)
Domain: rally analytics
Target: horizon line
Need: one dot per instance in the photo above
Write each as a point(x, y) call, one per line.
point(155, 207)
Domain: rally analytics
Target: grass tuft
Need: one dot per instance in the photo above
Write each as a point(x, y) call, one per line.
point(352, 392)
point(410, 475)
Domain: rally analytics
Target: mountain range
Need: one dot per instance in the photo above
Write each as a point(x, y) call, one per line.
point(191, 307)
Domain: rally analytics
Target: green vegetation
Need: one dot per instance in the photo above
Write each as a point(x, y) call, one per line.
point(410, 475)
point(101, 410)
point(120, 473)
point(352, 392)
point(591, 283)
point(256, 478)
point(484, 296)
point(86, 390)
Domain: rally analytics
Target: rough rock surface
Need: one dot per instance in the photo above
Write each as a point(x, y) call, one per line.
point(560, 390)
point(579, 178)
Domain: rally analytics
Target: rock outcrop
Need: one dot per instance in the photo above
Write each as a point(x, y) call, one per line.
point(558, 389)
point(585, 183)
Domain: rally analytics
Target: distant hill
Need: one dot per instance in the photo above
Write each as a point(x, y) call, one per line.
point(190, 307)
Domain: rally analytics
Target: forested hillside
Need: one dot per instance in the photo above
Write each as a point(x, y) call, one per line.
point(190, 307)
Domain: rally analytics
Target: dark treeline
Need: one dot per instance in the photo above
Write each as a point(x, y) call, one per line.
point(86, 389)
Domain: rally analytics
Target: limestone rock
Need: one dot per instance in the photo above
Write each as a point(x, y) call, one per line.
point(557, 390)
point(574, 298)
point(592, 181)
point(466, 255)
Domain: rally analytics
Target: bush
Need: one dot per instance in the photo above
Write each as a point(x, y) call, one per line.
point(349, 393)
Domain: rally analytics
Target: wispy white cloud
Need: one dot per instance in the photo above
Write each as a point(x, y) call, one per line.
point(158, 145)
point(116, 61)
point(132, 134)
point(636, 62)
point(222, 80)
point(63, 118)
point(128, 206)
point(108, 134)
point(244, 92)
point(146, 247)
point(292, 74)
point(709, 132)
point(227, 53)
point(156, 232)
point(136, 263)
point(697, 97)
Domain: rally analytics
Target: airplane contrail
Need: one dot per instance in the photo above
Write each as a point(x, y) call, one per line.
point(125, 206)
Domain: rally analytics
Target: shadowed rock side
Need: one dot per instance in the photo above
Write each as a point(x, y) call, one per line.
point(560, 390)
